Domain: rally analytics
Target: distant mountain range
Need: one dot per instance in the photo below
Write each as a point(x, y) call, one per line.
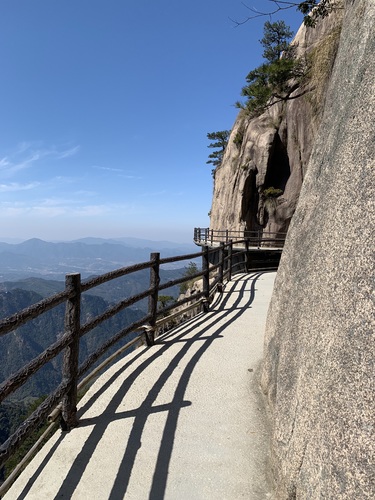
point(88, 256)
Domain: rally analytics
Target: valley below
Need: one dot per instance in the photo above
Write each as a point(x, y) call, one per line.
point(35, 269)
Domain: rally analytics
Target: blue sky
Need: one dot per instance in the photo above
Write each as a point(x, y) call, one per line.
point(105, 107)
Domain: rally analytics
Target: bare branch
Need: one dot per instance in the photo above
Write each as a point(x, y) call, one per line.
point(280, 6)
point(312, 10)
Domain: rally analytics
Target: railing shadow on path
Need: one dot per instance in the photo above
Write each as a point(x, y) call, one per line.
point(132, 443)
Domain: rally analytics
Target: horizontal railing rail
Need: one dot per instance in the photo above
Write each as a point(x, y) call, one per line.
point(218, 265)
point(258, 238)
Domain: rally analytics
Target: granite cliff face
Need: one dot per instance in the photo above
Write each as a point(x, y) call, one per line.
point(273, 149)
point(319, 363)
point(318, 371)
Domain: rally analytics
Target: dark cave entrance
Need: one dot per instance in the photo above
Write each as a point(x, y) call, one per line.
point(278, 167)
point(250, 201)
point(253, 210)
point(277, 175)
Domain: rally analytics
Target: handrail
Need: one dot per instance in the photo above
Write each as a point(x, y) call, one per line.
point(254, 238)
point(218, 264)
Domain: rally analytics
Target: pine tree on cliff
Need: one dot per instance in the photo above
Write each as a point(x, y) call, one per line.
point(279, 76)
point(221, 139)
point(275, 40)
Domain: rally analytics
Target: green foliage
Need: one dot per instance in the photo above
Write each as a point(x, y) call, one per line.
point(25, 343)
point(190, 270)
point(11, 417)
point(313, 10)
point(276, 78)
point(221, 139)
point(272, 192)
point(164, 300)
point(270, 80)
point(238, 138)
point(275, 40)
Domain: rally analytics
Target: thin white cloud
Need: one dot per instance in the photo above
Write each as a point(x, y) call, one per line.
point(84, 192)
point(15, 186)
point(52, 207)
point(91, 210)
point(123, 174)
point(13, 212)
point(48, 185)
point(68, 153)
point(131, 177)
point(9, 168)
point(27, 154)
point(48, 212)
point(108, 169)
point(4, 162)
point(54, 202)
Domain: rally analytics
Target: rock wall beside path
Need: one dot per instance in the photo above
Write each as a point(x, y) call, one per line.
point(319, 369)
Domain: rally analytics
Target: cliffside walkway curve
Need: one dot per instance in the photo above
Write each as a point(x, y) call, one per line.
point(180, 419)
point(251, 239)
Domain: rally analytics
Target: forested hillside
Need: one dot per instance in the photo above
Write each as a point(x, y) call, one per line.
point(26, 342)
point(22, 345)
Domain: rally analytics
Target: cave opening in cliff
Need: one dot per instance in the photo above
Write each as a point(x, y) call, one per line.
point(275, 180)
point(250, 200)
point(278, 167)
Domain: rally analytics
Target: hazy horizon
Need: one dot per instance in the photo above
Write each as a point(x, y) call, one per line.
point(114, 238)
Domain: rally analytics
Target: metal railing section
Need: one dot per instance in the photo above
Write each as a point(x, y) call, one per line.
point(255, 239)
point(218, 265)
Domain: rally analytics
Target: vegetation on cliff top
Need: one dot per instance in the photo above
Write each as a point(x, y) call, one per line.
point(280, 74)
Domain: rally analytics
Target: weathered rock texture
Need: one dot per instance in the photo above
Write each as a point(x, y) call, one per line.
point(273, 150)
point(319, 350)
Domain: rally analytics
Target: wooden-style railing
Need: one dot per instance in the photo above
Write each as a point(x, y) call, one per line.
point(255, 239)
point(60, 407)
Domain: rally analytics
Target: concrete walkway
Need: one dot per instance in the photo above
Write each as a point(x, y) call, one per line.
point(180, 420)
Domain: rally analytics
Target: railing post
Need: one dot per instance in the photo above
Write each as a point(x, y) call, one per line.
point(153, 298)
point(226, 236)
point(247, 255)
point(71, 354)
point(259, 238)
point(206, 277)
point(230, 259)
point(221, 267)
